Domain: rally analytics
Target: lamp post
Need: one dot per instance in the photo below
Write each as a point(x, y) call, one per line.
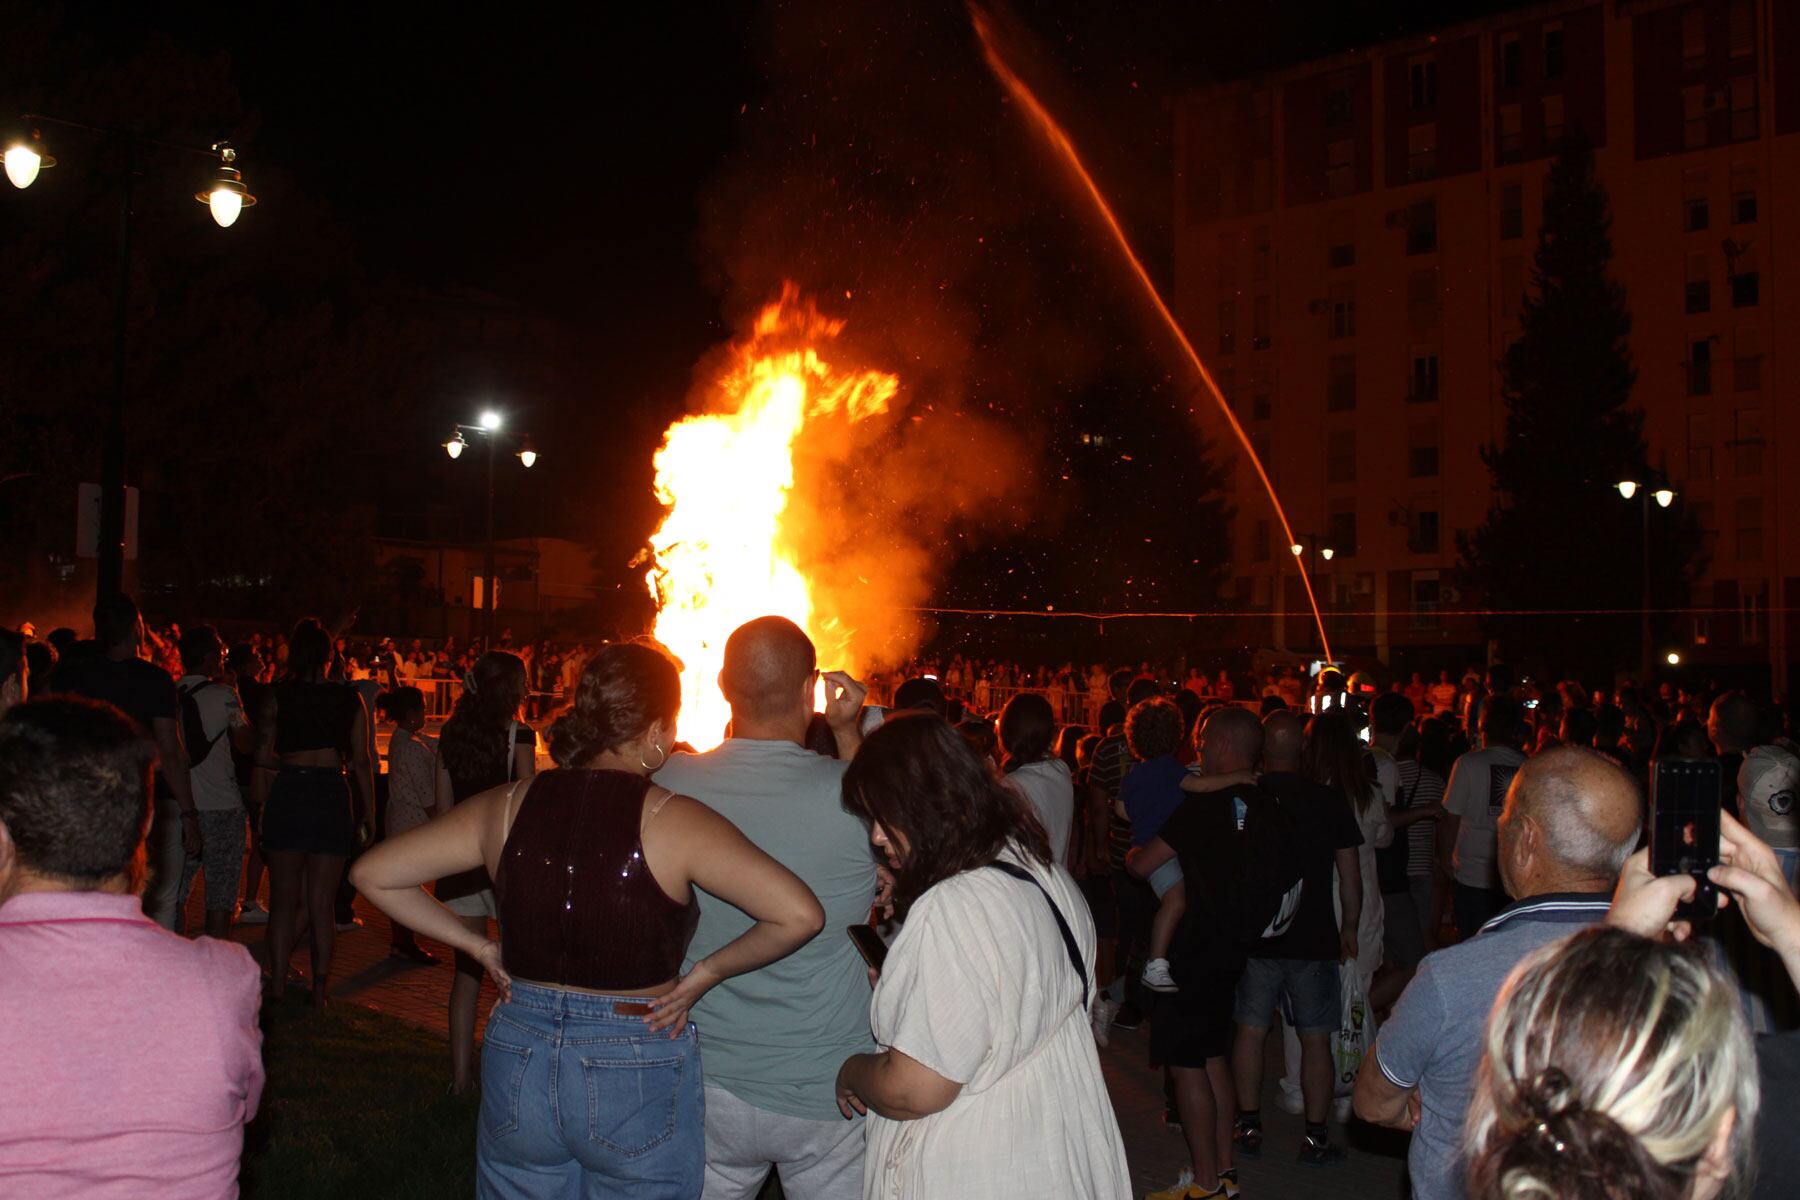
point(489, 426)
point(1631, 489)
point(25, 157)
point(1318, 552)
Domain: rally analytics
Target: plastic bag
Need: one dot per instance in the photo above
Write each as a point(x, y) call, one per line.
point(1355, 1032)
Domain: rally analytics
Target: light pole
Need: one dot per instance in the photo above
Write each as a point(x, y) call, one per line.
point(489, 427)
point(1630, 488)
point(1318, 552)
point(226, 197)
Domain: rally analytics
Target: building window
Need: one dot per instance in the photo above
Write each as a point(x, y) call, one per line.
point(1340, 385)
point(1699, 367)
point(1693, 117)
point(1259, 254)
point(1424, 387)
point(1693, 39)
point(1743, 195)
point(1340, 233)
point(1747, 358)
point(1340, 456)
point(1259, 444)
point(1553, 51)
point(1427, 593)
point(1227, 326)
point(1226, 378)
point(1422, 73)
point(1553, 122)
point(1745, 286)
point(1747, 446)
point(1511, 147)
point(1512, 211)
point(1743, 29)
point(1259, 542)
point(1694, 214)
point(1262, 406)
point(1509, 60)
point(1699, 448)
point(1260, 338)
point(1338, 105)
point(1422, 298)
point(1512, 285)
point(1697, 291)
point(1422, 451)
point(1743, 108)
point(1421, 227)
point(1423, 537)
point(1749, 546)
point(1340, 528)
point(1421, 152)
point(1340, 167)
point(1343, 310)
point(1753, 607)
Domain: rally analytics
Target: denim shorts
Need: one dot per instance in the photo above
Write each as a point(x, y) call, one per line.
point(580, 1100)
point(1311, 989)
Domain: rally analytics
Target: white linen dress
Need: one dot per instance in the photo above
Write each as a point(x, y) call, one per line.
point(979, 988)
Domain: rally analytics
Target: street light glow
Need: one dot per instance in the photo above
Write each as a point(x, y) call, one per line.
point(1297, 548)
point(228, 196)
point(528, 456)
point(1628, 488)
point(1664, 497)
point(454, 447)
point(490, 420)
point(1325, 552)
point(23, 163)
point(1674, 659)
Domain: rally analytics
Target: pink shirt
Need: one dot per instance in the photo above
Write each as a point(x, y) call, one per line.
point(130, 1058)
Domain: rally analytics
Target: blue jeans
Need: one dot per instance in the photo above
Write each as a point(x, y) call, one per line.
point(580, 1101)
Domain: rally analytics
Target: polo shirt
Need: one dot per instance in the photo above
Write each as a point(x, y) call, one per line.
point(1433, 1041)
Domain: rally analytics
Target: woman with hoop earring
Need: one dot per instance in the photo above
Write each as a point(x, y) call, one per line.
point(590, 1079)
point(483, 745)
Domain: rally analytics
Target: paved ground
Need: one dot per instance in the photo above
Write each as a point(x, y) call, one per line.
point(364, 974)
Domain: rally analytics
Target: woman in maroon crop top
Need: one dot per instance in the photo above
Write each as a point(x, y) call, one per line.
point(594, 871)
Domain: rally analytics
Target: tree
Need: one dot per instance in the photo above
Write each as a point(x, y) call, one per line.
point(1558, 536)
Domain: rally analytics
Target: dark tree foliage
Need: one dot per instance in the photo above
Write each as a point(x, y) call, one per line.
point(1558, 536)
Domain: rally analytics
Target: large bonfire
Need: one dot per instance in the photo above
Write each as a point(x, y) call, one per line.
point(725, 554)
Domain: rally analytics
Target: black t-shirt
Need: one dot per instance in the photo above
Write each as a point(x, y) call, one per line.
point(144, 692)
point(1327, 825)
point(1777, 1150)
point(1203, 832)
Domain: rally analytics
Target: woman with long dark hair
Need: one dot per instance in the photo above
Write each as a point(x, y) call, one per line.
point(483, 745)
point(315, 785)
point(590, 1081)
point(988, 1082)
point(1032, 768)
point(1333, 755)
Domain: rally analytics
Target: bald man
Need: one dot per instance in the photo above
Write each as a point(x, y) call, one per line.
point(1571, 818)
point(775, 1037)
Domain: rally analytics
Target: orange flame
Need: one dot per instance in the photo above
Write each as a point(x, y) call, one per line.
point(722, 555)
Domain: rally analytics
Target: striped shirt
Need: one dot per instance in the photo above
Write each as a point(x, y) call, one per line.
point(1420, 785)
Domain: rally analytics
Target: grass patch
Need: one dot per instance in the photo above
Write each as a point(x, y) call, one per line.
point(356, 1106)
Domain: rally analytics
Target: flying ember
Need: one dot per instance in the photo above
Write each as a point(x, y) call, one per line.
point(724, 553)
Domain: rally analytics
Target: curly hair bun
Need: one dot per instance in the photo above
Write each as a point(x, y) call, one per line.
point(624, 689)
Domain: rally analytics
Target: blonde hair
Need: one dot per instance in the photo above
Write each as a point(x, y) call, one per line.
point(1611, 1061)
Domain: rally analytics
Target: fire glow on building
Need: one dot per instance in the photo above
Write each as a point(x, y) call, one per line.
point(727, 551)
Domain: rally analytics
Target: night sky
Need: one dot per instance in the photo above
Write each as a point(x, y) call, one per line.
point(643, 176)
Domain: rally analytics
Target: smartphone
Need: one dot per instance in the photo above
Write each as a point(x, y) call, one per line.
point(868, 943)
point(1685, 798)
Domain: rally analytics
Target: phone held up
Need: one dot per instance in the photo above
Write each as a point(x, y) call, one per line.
point(1685, 798)
point(869, 944)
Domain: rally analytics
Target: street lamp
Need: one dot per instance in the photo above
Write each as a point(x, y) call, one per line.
point(25, 157)
point(1630, 488)
point(489, 426)
point(1318, 552)
point(1673, 658)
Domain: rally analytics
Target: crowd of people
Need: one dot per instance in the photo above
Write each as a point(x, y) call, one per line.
point(1436, 891)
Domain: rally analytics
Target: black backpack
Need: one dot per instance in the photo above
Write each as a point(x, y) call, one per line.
point(193, 729)
point(1267, 875)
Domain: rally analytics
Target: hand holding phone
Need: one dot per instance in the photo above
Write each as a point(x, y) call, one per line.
point(868, 943)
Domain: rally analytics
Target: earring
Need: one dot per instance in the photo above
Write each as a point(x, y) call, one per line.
point(648, 769)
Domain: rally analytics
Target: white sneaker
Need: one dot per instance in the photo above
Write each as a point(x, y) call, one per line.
point(1157, 978)
point(253, 914)
point(1102, 1018)
point(1289, 1102)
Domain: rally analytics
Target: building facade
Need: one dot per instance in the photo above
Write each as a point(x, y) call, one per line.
point(1353, 237)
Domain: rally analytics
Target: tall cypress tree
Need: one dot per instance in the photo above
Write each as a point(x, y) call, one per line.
point(1558, 535)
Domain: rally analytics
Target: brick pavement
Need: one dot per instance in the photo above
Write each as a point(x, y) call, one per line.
point(364, 974)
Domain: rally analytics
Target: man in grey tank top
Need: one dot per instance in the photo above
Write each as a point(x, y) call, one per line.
point(772, 1040)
